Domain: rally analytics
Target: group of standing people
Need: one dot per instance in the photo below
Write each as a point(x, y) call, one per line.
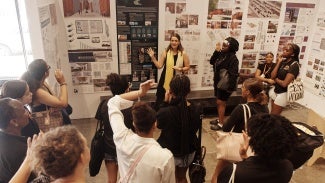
point(263, 129)
point(275, 76)
point(270, 84)
point(130, 148)
point(20, 99)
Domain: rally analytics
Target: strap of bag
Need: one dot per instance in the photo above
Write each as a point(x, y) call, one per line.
point(200, 130)
point(100, 125)
point(135, 163)
point(232, 177)
point(246, 109)
point(203, 149)
point(295, 62)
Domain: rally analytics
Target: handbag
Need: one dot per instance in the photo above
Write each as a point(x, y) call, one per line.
point(48, 119)
point(295, 89)
point(228, 143)
point(97, 149)
point(223, 83)
point(309, 139)
point(66, 115)
point(197, 170)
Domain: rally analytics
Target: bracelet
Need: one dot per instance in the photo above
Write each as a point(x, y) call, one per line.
point(61, 84)
point(139, 96)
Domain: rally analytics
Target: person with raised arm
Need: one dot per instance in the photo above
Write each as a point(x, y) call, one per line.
point(140, 157)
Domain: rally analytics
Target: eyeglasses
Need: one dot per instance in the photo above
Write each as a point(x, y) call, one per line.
point(130, 84)
point(225, 43)
point(48, 67)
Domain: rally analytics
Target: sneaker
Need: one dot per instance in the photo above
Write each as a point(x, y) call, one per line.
point(215, 127)
point(214, 122)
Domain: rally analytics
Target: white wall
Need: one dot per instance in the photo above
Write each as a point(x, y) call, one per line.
point(310, 100)
point(85, 105)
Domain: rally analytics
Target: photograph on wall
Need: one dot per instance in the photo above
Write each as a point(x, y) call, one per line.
point(137, 31)
point(264, 9)
point(89, 40)
point(296, 27)
point(86, 8)
point(315, 76)
point(224, 19)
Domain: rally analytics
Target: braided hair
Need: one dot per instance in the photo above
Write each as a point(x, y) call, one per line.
point(180, 87)
point(296, 51)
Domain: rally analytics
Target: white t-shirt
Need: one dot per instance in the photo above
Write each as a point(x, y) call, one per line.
point(156, 165)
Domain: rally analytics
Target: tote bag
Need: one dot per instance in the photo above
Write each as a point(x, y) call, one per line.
point(97, 149)
point(223, 84)
point(48, 119)
point(228, 143)
point(295, 89)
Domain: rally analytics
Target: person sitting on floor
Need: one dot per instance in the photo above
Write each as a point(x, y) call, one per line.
point(140, 157)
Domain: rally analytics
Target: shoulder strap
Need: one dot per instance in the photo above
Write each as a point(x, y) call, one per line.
point(125, 179)
point(246, 110)
point(232, 177)
point(294, 63)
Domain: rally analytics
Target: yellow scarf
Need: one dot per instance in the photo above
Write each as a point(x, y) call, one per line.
point(169, 67)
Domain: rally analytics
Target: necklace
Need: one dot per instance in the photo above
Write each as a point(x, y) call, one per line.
point(268, 69)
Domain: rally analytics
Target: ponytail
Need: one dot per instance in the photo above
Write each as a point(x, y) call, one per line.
point(261, 98)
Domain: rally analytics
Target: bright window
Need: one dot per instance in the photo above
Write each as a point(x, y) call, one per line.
point(15, 46)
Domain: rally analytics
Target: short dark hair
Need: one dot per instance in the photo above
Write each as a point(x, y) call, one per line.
point(233, 44)
point(57, 153)
point(272, 137)
point(143, 117)
point(14, 89)
point(7, 112)
point(118, 84)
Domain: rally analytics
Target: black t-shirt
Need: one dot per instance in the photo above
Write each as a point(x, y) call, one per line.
point(284, 69)
point(237, 120)
point(30, 129)
point(254, 170)
point(102, 114)
point(266, 69)
point(12, 154)
point(168, 120)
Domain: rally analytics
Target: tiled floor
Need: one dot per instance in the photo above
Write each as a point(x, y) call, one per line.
point(313, 174)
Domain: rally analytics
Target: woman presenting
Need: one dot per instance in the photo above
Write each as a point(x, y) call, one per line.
point(175, 60)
